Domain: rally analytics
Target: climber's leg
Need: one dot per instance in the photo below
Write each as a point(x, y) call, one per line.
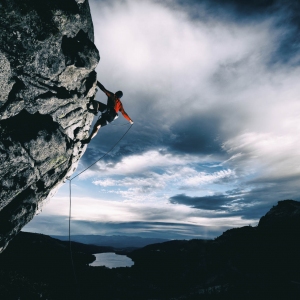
point(100, 123)
point(101, 107)
point(95, 131)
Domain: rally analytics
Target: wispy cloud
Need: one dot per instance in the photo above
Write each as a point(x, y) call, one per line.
point(208, 86)
point(102, 215)
point(214, 95)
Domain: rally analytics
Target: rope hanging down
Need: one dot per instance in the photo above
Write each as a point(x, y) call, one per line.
point(70, 192)
point(102, 155)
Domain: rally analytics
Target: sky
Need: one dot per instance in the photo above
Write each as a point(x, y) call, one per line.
point(213, 90)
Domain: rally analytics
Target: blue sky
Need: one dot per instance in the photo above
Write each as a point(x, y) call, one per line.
point(212, 88)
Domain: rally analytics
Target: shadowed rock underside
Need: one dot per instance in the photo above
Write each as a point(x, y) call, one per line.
point(47, 76)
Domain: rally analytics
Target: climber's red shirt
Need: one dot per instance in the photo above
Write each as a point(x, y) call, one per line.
point(119, 107)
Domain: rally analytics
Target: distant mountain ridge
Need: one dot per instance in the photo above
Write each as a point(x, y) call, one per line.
point(261, 262)
point(115, 241)
point(286, 213)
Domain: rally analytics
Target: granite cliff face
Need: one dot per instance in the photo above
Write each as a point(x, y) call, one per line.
point(47, 76)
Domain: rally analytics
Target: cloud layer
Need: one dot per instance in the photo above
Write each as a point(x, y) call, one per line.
point(213, 89)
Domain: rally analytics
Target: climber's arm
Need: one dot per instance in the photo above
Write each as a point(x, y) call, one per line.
point(125, 115)
point(102, 88)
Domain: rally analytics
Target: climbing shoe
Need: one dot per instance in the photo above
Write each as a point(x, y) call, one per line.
point(93, 111)
point(86, 141)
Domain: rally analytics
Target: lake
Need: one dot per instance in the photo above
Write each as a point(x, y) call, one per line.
point(112, 260)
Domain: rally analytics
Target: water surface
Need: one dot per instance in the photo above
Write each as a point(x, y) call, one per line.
point(112, 260)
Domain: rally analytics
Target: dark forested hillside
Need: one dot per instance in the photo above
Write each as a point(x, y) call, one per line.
point(260, 262)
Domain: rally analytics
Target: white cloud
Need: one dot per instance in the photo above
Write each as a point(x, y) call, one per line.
point(172, 68)
point(97, 210)
point(149, 48)
point(182, 175)
point(267, 154)
point(140, 163)
point(205, 178)
point(188, 66)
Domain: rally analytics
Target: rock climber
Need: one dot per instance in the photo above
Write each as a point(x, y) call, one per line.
point(109, 111)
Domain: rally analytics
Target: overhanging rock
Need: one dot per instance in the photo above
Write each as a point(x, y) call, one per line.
point(47, 76)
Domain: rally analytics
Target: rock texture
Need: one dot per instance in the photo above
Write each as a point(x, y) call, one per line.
point(47, 76)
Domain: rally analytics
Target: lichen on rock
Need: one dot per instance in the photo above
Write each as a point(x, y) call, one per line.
point(47, 76)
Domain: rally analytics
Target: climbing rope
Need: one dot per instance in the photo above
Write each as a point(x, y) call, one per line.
point(70, 193)
point(70, 245)
point(125, 124)
point(103, 154)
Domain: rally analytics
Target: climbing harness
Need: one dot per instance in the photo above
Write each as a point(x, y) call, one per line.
point(70, 193)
